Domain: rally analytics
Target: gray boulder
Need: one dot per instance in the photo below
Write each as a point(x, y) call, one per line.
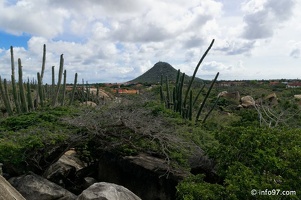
point(66, 166)
point(34, 187)
point(107, 191)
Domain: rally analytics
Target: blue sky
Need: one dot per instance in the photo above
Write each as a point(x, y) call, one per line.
point(7, 40)
point(106, 41)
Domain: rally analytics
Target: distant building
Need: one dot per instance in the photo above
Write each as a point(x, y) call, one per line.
point(125, 91)
point(230, 83)
point(274, 83)
point(293, 85)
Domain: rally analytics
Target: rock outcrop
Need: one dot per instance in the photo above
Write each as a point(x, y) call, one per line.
point(7, 192)
point(107, 191)
point(66, 166)
point(271, 99)
point(147, 176)
point(34, 187)
point(234, 96)
point(247, 101)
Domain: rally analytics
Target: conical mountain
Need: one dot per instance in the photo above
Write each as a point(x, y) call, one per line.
point(153, 75)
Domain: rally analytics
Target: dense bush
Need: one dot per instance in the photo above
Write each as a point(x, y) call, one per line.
point(252, 158)
point(28, 134)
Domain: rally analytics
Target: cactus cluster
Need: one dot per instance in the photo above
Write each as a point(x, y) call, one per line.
point(179, 102)
point(22, 100)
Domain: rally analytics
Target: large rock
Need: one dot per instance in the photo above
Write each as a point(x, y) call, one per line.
point(65, 167)
point(247, 101)
point(101, 93)
point(271, 99)
point(201, 164)
point(234, 96)
point(8, 192)
point(34, 187)
point(149, 177)
point(107, 191)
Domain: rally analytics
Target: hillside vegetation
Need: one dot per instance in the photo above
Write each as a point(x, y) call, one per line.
point(238, 140)
point(226, 157)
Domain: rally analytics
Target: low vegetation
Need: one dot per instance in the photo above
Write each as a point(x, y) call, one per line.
point(27, 141)
point(231, 152)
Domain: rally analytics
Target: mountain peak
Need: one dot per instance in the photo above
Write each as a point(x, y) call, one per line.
point(153, 75)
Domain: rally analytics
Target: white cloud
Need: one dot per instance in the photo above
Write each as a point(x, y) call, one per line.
point(118, 40)
point(263, 17)
point(295, 50)
point(234, 47)
point(32, 17)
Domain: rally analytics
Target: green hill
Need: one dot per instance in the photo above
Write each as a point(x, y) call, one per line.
point(153, 75)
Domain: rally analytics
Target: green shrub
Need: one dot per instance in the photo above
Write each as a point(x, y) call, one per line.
point(30, 132)
point(251, 158)
point(195, 188)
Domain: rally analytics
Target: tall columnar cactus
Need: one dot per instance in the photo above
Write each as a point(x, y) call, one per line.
point(204, 101)
point(178, 102)
point(87, 92)
point(21, 93)
point(215, 103)
point(83, 96)
point(64, 88)
point(43, 62)
point(29, 97)
point(5, 96)
point(174, 99)
point(52, 82)
point(12, 61)
point(73, 90)
point(13, 81)
point(176, 91)
point(42, 75)
point(21, 88)
point(195, 71)
point(180, 93)
point(161, 90)
point(47, 93)
point(197, 96)
point(40, 89)
point(167, 93)
point(15, 95)
point(59, 81)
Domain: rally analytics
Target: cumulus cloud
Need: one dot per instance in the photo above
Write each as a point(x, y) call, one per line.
point(32, 17)
point(108, 41)
point(263, 17)
point(235, 47)
point(214, 66)
point(296, 50)
point(295, 53)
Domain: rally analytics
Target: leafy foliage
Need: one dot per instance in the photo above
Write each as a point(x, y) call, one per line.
point(23, 135)
point(194, 188)
point(255, 158)
point(246, 156)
